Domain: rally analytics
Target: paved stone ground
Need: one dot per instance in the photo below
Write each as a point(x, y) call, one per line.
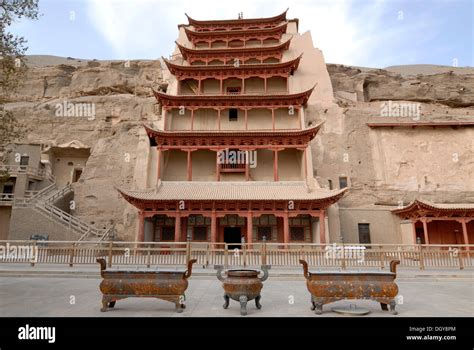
point(46, 296)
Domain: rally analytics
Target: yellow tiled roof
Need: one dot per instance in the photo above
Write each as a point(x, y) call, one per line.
point(288, 190)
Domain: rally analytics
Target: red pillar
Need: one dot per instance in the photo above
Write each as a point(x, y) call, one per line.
point(192, 119)
point(286, 229)
point(414, 230)
point(305, 159)
point(464, 231)
point(190, 167)
point(322, 227)
point(425, 230)
point(243, 85)
point(218, 167)
point(141, 227)
point(177, 228)
point(158, 164)
point(275, 165)
point(218, 119)
point(222, 86)
point(246, 119)
point(273, 119)
point(265, 82)
point(184, 229)
point(199, 87)
point(249, 229)
point(213, 227)
point(164, 118)
point(247, 166)
point(300, 119)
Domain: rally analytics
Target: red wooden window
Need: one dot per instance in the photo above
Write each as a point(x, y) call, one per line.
point(200, 233)
point(167, 233)
point(264, 231)
point(297, 233)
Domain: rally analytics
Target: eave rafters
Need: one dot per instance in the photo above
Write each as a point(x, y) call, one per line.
point(233, 101)
point(282, 69)
point(224, 139)
point(275, 32)
point(232, 52)
point(275, 206)
point(236, 22)
point(419, 209)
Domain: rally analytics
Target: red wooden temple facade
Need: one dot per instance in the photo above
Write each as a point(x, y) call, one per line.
point(435, 223)
point(229, 94)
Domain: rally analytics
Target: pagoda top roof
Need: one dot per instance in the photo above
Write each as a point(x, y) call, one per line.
point(192, 33)
point(186, 50)
point(255, 100)
point(178, 69)
point(277, 18)
point(232, 191)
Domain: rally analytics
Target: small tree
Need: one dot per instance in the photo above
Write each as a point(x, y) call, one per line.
point(12, 66)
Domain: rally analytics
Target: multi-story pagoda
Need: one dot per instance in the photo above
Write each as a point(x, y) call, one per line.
point(232, 150)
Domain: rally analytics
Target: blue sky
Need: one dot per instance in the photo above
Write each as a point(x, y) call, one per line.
point(375, 33)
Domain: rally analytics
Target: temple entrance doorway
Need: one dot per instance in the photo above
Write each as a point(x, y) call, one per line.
point(233, 237)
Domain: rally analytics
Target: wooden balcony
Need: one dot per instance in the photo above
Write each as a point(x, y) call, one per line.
point(37, 173)
point(6, 199)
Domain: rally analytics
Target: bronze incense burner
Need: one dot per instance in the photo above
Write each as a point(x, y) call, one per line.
point(161, 284)
point(242, 285)
point(328, 287)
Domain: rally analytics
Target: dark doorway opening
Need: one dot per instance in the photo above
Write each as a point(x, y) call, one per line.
point(232, 237)
point(420, 235)
point(77, 174)
point(364, 233)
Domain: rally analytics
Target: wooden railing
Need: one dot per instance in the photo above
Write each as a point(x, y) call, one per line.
point(344, 256)
point(67, 219)
point(27, 169)
point(42, 201)
point(6, 198)
point(225, 93)
point(53, 196)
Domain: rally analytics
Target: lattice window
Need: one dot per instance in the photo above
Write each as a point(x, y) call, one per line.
point(297, 233)
point(167, 233)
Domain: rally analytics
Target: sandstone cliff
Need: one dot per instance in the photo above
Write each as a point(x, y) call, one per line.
point(121, 92)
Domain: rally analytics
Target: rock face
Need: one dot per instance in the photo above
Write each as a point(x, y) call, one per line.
point(382, 165)
point(393, 165)
point(122, 98)
point(446, 88)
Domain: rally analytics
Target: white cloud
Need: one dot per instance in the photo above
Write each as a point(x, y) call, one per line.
point(147, 29)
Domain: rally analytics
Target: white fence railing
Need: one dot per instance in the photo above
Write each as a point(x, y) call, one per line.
point(344, 256)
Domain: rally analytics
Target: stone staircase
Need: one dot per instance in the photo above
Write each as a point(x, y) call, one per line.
point(43, 203)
